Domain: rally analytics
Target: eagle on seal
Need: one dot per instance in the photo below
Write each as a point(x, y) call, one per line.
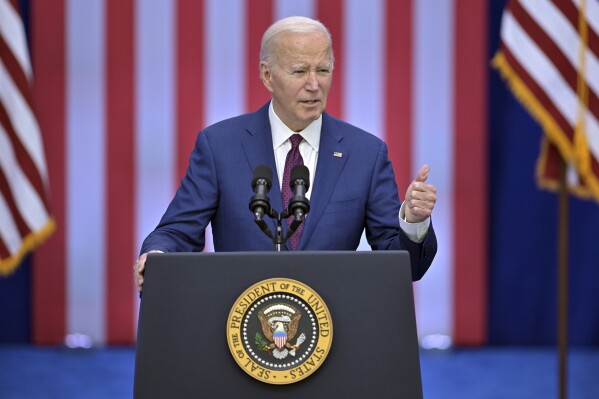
point(279, 333)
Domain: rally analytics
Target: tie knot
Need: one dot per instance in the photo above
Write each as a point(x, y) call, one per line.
point(296, 139)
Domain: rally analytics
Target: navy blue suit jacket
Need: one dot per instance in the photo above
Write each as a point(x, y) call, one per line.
point(350, 192)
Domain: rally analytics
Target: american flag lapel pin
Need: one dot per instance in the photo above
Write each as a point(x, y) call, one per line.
point(337, 154)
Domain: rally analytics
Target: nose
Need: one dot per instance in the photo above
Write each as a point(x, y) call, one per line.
point(312, 83)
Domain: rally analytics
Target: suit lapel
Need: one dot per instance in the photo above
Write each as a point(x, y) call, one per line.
point(332, 155)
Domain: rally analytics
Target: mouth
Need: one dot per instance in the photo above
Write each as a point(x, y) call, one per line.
point(310, 102)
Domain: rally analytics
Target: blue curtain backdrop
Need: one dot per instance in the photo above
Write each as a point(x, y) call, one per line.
point(15, 305)
point(522, 238)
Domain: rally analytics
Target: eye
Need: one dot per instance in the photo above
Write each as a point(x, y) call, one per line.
point(324, 71)
point(299, 72)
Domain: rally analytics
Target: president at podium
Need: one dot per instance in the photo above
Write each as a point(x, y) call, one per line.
point(353, 187)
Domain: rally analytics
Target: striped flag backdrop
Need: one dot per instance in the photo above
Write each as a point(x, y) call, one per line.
point(25, 218)
point(550, 57)
point(124, 86)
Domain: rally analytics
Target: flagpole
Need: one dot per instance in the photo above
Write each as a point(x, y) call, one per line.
point(562, 282)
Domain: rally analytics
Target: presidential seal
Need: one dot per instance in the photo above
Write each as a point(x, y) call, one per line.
point(279, 331)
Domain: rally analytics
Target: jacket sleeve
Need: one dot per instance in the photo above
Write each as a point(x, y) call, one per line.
point(382, 219)
point(182, 226)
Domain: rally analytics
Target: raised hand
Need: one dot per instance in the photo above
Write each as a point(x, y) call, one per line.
point(420, 197)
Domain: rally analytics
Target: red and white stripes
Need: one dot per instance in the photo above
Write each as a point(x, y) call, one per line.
point(124, 87)
point(25, 218)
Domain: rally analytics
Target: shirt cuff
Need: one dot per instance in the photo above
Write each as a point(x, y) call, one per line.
point(415, 231)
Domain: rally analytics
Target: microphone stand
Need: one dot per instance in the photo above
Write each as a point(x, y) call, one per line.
point(279, 241)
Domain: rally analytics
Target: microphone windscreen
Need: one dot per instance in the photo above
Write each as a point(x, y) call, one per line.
point(262, 172)
point(300, 172)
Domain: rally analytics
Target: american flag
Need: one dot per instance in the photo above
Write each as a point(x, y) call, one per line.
point(25, 218)
point(124, 86)
point(549, 55)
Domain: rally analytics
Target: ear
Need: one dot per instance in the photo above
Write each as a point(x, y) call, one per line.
point(266, 76)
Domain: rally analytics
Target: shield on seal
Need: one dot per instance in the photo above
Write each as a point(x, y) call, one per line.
point(280, 337)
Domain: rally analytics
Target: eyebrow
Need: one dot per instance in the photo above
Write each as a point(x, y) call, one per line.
point(304, 65)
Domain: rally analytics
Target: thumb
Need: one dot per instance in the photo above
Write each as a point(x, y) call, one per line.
point(423, 173)
point(140, 265)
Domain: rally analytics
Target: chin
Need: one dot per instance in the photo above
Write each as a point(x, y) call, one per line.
point(312, 115)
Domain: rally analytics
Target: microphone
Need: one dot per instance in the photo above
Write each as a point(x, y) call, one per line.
point(261, 183)
point(299, 181)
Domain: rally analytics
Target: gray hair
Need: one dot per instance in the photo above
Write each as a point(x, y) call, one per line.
point(302, 25)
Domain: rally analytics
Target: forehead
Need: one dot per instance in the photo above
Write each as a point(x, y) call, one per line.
point(304, 48)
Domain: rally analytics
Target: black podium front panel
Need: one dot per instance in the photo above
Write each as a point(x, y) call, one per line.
point(182, 348)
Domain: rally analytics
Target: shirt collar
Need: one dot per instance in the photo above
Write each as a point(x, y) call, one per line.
point(281, 133)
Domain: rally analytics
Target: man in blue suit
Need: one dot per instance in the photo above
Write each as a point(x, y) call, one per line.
point(353, 187)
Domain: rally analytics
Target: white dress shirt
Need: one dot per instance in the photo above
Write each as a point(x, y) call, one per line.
point(308, 148)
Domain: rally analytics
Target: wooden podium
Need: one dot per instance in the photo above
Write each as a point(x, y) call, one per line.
point(182, 347)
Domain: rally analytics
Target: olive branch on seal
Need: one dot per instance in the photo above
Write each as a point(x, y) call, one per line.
point(260, 341)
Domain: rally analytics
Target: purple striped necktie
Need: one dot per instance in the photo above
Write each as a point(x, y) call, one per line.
point(293, 158)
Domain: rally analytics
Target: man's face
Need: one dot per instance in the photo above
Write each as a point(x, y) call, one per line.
point(300, 78)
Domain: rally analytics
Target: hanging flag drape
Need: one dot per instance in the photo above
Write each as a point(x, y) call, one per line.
point(25, 218)
point(549, 55)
